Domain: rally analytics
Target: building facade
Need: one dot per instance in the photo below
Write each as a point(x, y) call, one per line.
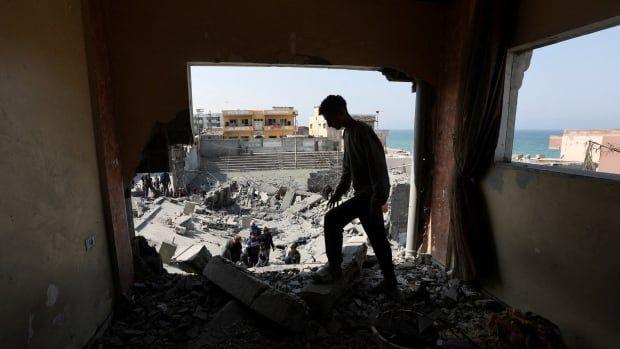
point(207, 120)
point(248, 124)
point(318, 127)
point(601, 147)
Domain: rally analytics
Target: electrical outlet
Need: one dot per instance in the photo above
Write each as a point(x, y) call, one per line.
point(89, 243)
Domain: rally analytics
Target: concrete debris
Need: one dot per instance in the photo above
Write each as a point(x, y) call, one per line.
point(284, 309)
point(192, 259)
point(279, 292)
point(319, 180)
point(189, 207)
point(167, 250)
point(288, 199)
point(164, 312)
point(321, 298)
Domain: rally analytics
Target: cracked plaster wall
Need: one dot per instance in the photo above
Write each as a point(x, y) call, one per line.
point(54, 293)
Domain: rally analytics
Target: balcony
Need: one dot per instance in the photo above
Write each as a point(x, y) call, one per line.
point(278, 127)
point(238, 128)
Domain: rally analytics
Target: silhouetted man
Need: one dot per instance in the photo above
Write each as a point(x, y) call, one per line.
point(363, 165)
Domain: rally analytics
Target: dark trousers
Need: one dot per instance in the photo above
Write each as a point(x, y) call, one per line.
point(372, 221)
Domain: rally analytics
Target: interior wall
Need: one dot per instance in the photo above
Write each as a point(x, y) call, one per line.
point(54, 293)
point(557, 238)
point(151, 43)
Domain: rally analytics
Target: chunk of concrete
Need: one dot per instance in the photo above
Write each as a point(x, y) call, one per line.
point(189, 207)
point(281, 308)
point(193, 259)
point(288, 198)
point(167, 250)
point(322, 297)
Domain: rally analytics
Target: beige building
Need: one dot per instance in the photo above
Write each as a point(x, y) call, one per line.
point(601, 145)
point(574, 143)
point(275, 123)
point(319, 128)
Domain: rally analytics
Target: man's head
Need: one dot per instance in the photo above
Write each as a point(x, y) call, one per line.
point(237, 238)
point(293, 247)
point(253, 235)
point(334, 110)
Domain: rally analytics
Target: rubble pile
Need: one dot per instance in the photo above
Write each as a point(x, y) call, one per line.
point(229, 305)
point(164, 312)
point(457, 311)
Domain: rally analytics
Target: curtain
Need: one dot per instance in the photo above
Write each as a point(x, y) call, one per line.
point(470, 243)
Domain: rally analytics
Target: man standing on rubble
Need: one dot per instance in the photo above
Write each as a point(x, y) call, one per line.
point(364, 165)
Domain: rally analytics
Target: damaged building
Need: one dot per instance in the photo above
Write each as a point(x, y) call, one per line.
point(495, 254)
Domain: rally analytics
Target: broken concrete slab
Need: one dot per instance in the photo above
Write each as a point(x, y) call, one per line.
point(304, 204)
point(322, 297)
point(281, 308)
point(288, 198)
point(193, 259)
point(167, 250)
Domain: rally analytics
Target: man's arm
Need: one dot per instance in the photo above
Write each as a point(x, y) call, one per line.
point(345, 180)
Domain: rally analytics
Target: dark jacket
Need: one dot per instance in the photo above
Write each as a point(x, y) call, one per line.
point(232, 250)
point(364, 165)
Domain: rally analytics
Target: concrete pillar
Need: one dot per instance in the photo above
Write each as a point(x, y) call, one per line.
point(423, 111)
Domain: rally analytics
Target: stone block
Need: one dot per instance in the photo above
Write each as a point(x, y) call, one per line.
point(322, 297)
point(189, 207)
point(284, 309)
point(193, 259)
point(167, 250)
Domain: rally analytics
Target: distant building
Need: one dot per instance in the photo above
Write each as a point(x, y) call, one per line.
point(368, 119)
point(319, 128)
point(207, 121)
point(601, 146)
point(303, 131)
point(247, 124)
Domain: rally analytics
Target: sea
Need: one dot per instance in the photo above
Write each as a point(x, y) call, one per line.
point(525, 141)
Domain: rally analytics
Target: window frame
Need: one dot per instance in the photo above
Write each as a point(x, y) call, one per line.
point(517, 62)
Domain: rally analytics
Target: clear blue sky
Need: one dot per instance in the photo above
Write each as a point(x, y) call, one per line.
point(573, 84)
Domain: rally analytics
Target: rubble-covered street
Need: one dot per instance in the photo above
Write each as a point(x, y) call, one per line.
point(199, 300)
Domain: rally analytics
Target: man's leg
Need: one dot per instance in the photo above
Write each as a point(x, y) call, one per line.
point(372, 221)
point(335, 220)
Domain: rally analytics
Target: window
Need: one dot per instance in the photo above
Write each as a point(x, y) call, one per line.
point(560, 105)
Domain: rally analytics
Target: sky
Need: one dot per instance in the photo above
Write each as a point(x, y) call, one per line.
point(218, 88)
point(572, 84)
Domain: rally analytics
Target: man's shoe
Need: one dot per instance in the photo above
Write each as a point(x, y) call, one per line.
point(327, 274)
point(386, 286)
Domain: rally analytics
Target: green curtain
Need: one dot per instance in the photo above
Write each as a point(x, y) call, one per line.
point(470, 243)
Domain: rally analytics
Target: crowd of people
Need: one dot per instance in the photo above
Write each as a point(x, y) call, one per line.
point(255, 251)
point(158, 185)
